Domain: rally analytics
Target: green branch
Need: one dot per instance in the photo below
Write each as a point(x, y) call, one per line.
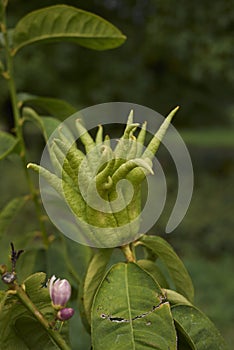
point(57, 338)
point(18, 122)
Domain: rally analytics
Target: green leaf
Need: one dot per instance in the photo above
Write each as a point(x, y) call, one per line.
point(55, 107)
point(67, 253)
point(77, 252)
point(31, 261)
point(79, 337)
point(183, 342)
point(176, 268)
point(9, 212)
point(93, 278)
point(150, 267)
point(197, 328)
point(175, 298)
point(32, 334)
point(129, 312)
point(66, 23)
point(7, 144)
point(46, 124)
point(15, 318)
point(3, 297)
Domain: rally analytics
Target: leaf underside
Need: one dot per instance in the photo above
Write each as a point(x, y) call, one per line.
point(196, 327)
point(66, 23)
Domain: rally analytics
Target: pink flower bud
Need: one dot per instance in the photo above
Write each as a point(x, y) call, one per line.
point(60, 291)
point(65, 314)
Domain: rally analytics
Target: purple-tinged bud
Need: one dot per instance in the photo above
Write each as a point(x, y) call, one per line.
point(65, 314)
point(60, 291)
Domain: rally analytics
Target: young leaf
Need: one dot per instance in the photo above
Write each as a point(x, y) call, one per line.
point(7, 144)
point(66, 23)
point(197, 328)
point(176, 268)
point(55, 107)
point(93, 278)
point(129, 312)
point(8, 213)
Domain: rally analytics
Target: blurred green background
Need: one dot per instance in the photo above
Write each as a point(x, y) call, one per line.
point(177, 53)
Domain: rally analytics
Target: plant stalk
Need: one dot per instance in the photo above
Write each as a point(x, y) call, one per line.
point(18, 122)
point(57, 338)
point(128, 253)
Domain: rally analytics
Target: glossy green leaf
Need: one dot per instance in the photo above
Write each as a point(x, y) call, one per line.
point(93, 278)
point(55, 107)
point(129, 312)
point(66, 23)
point(9, 212)
point(175, 266)
point(150, 267)
point(7, 144)
point(196, 327)
point(15, 318)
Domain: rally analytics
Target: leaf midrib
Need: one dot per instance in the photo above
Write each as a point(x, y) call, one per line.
point(71, 36)
point(129, 308)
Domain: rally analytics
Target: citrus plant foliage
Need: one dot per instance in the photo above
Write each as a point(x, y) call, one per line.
point(130, 304)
